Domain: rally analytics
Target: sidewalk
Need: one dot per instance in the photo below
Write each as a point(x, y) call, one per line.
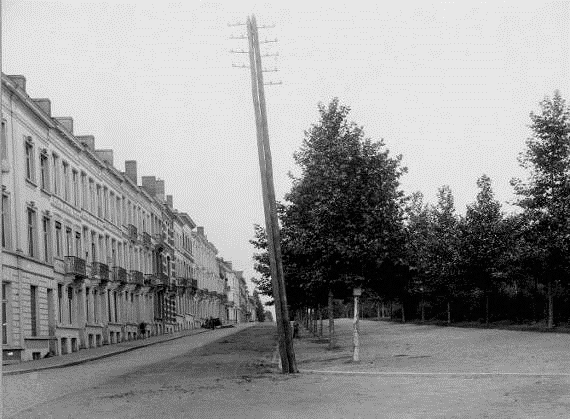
point(86, 355)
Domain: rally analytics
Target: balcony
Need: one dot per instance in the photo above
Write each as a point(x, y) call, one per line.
point(159, 239)
point(150, 280)
point(146, 239)
point(100, 271)
point(120, 275)
point(132, 233)
point(137, 278)
point(75, 266)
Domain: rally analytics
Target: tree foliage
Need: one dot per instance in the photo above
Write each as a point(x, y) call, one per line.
point(344, 212)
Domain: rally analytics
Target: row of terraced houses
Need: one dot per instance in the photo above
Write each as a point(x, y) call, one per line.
point(91, 256)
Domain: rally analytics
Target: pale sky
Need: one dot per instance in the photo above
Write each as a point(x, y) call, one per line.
point(449, 85)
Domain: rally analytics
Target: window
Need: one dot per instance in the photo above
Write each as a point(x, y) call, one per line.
point(91, 196)
point(44, 171)
point(115, 305)
point(78, 244)
point(93, 247)
point(95, 306)
point(70, 305)
point(55, 160)
point(75, 177)
point(109, 306)
point(119, 219)
point(58, 239)
point(68, 242)
point(66, 182)
point(30, 166)
point(4, 313)
point(47, 239)
point(34, 309)
point(32, 232)
point(6, 225)
point(99, 202)
point(87, 308)
point(84, 191)
point(3, 144)
point(60, 302)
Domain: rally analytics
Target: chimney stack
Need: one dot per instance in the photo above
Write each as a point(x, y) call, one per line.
point(66, 121)
point(200, 230)
point(149, 185)
point(19, 81)
point(44, 104)
point(87, 140)
point(131, 170)
point(105, 155)
point(160, 190)
point(169, 201)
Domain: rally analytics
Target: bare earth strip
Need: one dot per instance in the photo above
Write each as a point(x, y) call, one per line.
point(406, 371)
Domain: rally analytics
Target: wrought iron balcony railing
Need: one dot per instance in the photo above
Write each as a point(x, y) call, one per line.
point(150, 280)
point(146, 239)
point(75, 266)
point(100, 271)
point(137, 278)
point(120, 275)
point(132, 232)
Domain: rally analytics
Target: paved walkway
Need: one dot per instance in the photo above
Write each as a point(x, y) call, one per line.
point(86, 355)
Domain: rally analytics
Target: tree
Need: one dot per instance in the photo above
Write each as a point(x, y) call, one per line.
point(261, 262)
point(545, 196)
point(344, 212)
point(259, 310)
point(268, 315)
point(439, 248)
point(483, 240)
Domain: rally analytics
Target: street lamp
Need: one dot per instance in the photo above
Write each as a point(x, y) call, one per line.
point(356, 292)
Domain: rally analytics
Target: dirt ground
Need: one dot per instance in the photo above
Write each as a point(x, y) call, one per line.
point(406, 371)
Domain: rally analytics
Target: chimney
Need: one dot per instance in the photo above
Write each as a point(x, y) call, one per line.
point(160, 190)
point(131, 170)
point(66, 121)
point(149, 185)
point(44, 104)
point(87, 140)
point(200, 230)
point(19, 81)
point(169, 201)
point(105, 155)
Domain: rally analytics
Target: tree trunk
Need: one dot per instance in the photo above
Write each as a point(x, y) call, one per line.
point(378, 311)
point(448, 312)
point(486, 308)
point(315, 323)
point(423, 311)
point(403, 313)
point(321, 321)
point(331, 321)
point(550, 307)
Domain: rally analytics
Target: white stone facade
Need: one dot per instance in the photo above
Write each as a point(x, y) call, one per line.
point(89, 256)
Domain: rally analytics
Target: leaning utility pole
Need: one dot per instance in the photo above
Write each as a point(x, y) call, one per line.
point(286, 351)
point(2, 320)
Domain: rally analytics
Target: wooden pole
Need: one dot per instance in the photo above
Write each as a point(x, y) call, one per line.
point(286, 351)
point(1, 209)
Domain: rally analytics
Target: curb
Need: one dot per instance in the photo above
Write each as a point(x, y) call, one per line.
point(95, 357)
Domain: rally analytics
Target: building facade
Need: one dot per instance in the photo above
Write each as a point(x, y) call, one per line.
point(90, 257)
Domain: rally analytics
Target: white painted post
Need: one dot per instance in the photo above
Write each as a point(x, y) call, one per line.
point(356, 342)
